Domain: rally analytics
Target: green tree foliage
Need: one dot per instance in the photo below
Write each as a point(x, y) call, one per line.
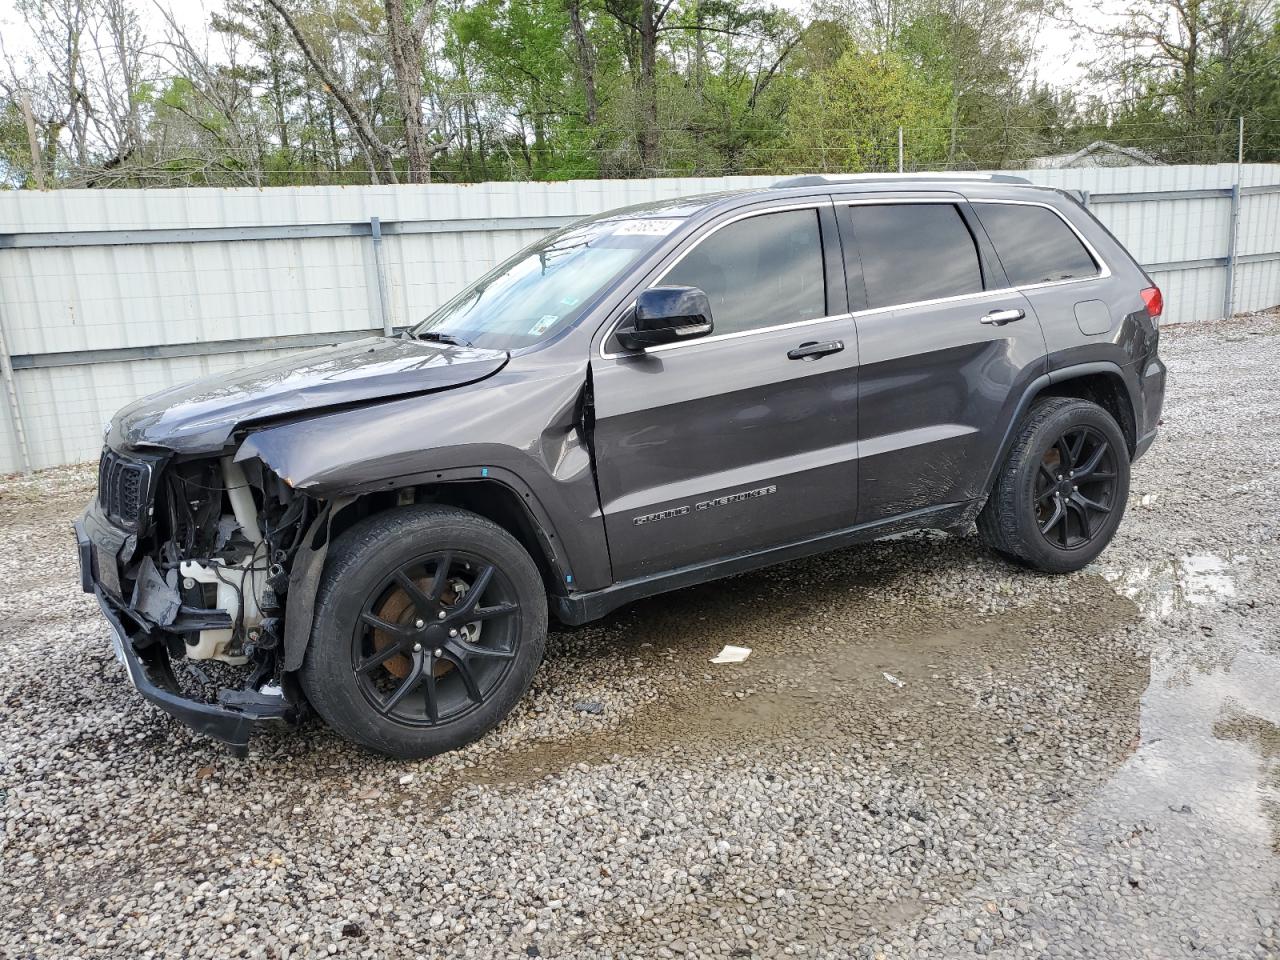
point(276, 92)
point(1184, 71)
point(846, 118)
point(514, 67)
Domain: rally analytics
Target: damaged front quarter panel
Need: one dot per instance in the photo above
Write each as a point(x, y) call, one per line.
point(522, 427)
point(535, 444)
point(304, 581)
point(232, 564)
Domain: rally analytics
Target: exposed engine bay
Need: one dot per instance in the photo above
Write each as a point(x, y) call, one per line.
point(202, 576)
point(218, 557)
point(221, 547)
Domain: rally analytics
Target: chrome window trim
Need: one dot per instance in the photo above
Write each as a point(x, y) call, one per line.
point(1104, 270)
point(736, 335)
point(976, 295)
point(815, 204)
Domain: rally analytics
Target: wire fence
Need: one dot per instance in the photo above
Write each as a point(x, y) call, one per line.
point(734, 148)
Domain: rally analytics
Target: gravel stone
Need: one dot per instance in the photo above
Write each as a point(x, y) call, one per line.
point(1073, 767)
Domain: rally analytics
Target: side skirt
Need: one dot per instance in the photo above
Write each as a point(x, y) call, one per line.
point(583, 607)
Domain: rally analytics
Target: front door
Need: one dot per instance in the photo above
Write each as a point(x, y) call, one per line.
point(946, 348)
point(747, 438)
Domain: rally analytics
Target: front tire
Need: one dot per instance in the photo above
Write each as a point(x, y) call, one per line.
point(1061, 494)
point(430, 623)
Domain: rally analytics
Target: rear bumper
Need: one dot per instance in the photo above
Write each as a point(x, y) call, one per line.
point(1151, 386)
point(140, 647)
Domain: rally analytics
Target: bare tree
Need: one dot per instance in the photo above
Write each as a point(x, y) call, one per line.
point(643, 20)
point(585, 55)
point(360, 119)
point(405, 39)
point(219, 106)
point(55, 73)
point(1173, 41)
point(117, 45)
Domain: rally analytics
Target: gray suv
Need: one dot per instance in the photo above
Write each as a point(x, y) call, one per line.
point(647, 399)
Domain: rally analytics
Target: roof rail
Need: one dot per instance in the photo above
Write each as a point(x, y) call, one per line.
point(818, 180)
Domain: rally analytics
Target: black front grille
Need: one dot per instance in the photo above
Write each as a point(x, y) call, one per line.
point(122, 487)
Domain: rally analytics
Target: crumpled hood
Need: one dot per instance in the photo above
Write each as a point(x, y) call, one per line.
point(198, 417)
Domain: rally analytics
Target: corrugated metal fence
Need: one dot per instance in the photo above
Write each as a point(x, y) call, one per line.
point(109, 295)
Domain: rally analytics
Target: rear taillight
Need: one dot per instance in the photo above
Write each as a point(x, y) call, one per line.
point(1154, 301)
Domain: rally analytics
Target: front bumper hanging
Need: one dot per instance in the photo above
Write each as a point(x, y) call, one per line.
point(232, 720)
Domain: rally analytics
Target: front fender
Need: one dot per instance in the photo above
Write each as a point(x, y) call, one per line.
point(520, 427)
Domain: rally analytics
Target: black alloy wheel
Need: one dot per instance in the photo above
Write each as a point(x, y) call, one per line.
point(1075, 487)
point(430, 622)
point(1060, 494)
point(435, 638)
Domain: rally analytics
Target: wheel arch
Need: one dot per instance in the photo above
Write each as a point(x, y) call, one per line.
point(1106, 388)
point(501, 501)
point(1103, 383)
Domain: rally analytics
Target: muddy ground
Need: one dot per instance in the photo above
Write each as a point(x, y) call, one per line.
point(929, 753)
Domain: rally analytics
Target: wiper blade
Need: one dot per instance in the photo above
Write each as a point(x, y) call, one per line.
point(448, 338)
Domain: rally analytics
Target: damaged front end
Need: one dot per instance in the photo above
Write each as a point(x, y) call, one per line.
point(190, 560)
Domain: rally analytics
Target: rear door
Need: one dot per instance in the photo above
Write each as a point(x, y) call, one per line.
point(747, 438)
point(945, 349)
point(1046, 258)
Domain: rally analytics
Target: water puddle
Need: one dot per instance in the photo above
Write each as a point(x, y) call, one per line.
point(1162, 588)
point(927, 687)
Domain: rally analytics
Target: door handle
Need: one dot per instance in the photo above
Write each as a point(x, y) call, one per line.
point(1000, 317)
point(813, 350)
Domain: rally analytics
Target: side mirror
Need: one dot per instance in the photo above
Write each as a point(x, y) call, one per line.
point(666, 315)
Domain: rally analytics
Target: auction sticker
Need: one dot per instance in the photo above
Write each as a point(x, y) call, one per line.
point(646, 228)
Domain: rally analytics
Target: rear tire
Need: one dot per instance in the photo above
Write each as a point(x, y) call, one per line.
point(430, 623)
point(1061, 493)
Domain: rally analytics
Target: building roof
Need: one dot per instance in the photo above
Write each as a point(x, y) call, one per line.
point(1100, 153)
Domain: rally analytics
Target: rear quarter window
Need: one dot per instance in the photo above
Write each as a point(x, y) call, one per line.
point(1034, 244)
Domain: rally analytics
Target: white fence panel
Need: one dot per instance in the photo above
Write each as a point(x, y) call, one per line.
point(93, 325)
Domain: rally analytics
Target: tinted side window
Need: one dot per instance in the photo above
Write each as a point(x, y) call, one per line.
point(914, 251)
point(759, 272)
point(1033, 244)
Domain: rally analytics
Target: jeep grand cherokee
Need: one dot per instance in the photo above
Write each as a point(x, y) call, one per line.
point(647, 399)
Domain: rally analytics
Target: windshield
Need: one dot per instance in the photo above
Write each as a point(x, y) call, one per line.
point(545, 287)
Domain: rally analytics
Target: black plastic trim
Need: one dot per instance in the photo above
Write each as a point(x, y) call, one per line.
point(151, 676)
point(1060, 375)
point(231, 726)
point(584, 607)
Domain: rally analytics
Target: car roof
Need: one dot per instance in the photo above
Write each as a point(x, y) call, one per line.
point(964, 184)
point(968, 185)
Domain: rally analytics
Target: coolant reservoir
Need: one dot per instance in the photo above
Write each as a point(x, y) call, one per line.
point(233, 583)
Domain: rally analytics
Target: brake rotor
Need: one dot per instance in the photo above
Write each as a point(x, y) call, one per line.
point(398, 608)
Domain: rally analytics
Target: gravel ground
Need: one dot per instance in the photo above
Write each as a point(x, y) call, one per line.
point(929, 754)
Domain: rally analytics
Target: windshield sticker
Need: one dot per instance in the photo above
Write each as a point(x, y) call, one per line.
point(646, 228)
point(545, 323)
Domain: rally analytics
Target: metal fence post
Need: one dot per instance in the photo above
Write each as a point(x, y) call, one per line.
point(1084, 199)
point(15, 411)
point(900, 149)
point(1228, 298)
point(375, 230)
